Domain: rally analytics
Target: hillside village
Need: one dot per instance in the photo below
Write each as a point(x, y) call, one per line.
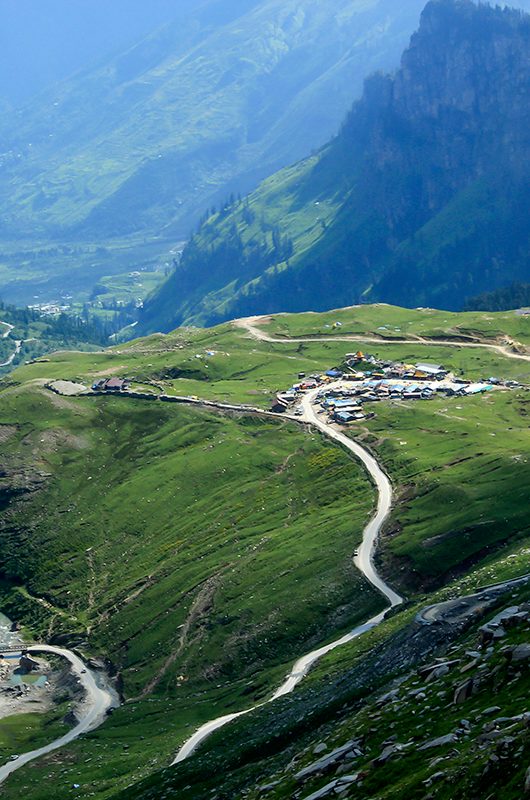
point(345, 393)
point(365, 379)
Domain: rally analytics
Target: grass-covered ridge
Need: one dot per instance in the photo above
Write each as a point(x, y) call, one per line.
point(199, 553)
point(224, 363)
point(389, 322)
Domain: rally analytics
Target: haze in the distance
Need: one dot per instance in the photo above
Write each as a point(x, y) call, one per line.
point(45, 41)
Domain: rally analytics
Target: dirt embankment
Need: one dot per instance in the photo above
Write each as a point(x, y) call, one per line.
point(35, 685)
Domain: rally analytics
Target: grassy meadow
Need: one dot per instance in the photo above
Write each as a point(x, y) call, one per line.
point(225, 364)
point(392, 322)
point(22, 732)
point(462, 468)
point(170, 540)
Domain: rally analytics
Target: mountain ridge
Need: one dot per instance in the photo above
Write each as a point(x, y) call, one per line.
point(412, 203)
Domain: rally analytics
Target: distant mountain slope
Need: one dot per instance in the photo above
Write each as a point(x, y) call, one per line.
point(217, 100)
point(421, 200)
point(63, 36)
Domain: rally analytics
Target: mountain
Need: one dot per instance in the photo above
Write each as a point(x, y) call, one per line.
point(516, 295)
point(421, 199)
point(210, 103)
point(64, 37)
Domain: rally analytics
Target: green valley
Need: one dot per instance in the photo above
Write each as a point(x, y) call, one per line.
point(265, 400)
point(131, 151)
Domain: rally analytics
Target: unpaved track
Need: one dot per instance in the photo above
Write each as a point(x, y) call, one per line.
point(9, 361)
point(364, 559)
point(8, 330)
point(99, 700)
point(97, 703)
point(252, 326)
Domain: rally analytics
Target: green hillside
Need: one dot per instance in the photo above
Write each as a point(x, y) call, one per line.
point(201, 552)
point(400, 731)
point(391, 323)
point(418, 201)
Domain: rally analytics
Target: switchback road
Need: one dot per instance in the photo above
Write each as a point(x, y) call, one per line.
point(96, 705)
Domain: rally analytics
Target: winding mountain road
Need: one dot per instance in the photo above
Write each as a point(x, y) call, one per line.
point(96, 705)
point(8, 331)
point(364, 558)
point(252, 326)
point(99, 701)
point(364, 561)
point(18, 344)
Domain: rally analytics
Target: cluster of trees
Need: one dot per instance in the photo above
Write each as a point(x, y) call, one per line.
point(235, 257)
point(230, 204)
point(65, 329)
point(517, 295)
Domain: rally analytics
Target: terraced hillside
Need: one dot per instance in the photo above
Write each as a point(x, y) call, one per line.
point(202, 551)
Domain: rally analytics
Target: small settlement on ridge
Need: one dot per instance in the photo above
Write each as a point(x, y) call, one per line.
point(366, 379)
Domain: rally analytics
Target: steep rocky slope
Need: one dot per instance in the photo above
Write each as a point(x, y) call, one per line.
point(429, 713)
point(421, 199)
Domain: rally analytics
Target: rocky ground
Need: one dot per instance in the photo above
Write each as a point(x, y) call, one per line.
point(456, 726)
point(437, 709)
point(27, 698)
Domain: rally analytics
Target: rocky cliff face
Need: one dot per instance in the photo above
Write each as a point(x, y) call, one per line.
point(457, 107)
point(420, 200)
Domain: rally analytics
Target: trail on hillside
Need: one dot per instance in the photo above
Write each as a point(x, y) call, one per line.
point(99, 701)
point(252, 326)
point(8, 330)
point(18, 344)
point(364, 559)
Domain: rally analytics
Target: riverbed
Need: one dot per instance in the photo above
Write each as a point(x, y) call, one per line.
point(19, 693)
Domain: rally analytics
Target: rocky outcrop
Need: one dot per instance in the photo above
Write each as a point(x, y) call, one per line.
point(28, 664)
point(18, 484)
point(349, 750)
point(519, 653)
point(334, 788)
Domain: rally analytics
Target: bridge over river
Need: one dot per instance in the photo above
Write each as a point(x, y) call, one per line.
point(9, 649)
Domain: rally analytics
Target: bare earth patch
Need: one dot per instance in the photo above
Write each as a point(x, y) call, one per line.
point(110, 371)
point(7, 432)
point(68, 388)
